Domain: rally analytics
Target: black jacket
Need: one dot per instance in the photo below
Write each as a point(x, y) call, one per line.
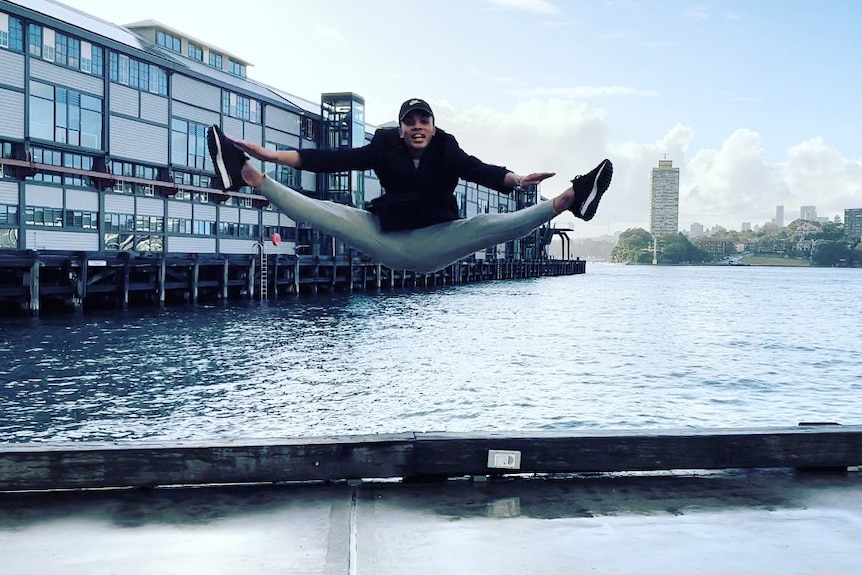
point(414, 197)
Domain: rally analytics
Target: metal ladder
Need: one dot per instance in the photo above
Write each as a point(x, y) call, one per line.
point(264, 276)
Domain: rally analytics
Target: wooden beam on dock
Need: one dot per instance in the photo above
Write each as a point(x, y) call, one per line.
point(147, 464)
point(452, 454)
point(44, 466)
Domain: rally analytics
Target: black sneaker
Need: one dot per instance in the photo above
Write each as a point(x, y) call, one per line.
point(227, 159)
point(589, 189)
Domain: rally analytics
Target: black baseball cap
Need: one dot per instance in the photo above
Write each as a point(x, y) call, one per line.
point(414, 104)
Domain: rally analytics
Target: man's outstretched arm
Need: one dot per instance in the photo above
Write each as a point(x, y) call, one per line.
point(286, 157)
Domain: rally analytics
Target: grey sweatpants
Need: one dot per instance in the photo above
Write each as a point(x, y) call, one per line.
point(423, 250)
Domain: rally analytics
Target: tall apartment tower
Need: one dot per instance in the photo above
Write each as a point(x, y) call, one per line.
point(853, 223)
point(664, 199)
point(779, 216)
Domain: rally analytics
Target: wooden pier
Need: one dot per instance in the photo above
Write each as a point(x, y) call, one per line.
point(34, 280)
point(421, 456)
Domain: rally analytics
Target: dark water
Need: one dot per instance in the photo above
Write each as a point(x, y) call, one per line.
point(619, 347)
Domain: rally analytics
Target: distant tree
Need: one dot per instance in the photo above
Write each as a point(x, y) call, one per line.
point(831, 253)
point(831, 231)
point(631, 246)
point(677, 249)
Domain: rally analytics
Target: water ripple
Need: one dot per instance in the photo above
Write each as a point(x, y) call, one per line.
point(619, 347)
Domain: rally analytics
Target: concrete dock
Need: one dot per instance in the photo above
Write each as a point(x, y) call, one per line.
point(759, 521)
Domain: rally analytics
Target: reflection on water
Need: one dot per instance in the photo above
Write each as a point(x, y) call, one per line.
point(618, 347)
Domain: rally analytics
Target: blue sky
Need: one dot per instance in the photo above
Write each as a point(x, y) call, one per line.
point(758, 102)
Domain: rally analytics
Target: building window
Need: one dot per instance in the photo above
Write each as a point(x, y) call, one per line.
point(196, 52)
point(119, 234)
point(179, 226)
point(149, 243)
point(138, 171)
point(92, 59)
point(169, 41)
point(204, 228)
point(82, 220)
point(78, 162)
point(236, 68)
point(7, 150)
point(58, 48)
point(242, 107)
point(67, 51)
point(8, 215)
point(11, 33)
point(47, 217)
point(119, 222)
point(49, 158)
point(279, 172)
point(287, 234)
point(189, 144)
point(34, 40)
point(65, 116)
point(136, 74)
point(234, 230)
point(308, 129)
point(192, 180)
point(150, 224)
point(216, 60)
point(61, 49)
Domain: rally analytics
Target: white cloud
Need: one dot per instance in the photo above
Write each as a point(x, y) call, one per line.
point(590, 92)
point(698, 13)
point(736, 183)
point(819, 175)
point(326, 33)
point(657, 44)
point(537, 6)
point(733, 183)
point(726, 186)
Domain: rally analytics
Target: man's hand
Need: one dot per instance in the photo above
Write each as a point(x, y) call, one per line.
point(535, 178)
point(255, 150)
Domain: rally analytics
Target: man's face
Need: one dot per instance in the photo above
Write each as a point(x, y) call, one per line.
point(417, 129)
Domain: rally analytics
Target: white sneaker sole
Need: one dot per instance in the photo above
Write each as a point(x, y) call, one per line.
point(595, 191)
point(220, 166)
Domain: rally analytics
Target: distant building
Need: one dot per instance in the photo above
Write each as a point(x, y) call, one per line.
point(807, 229)
point(746, 226)
point(664, 199)
point(779, 216)
point(808, 213)
point(696, 230)
point(853, 223)
point(716, 248)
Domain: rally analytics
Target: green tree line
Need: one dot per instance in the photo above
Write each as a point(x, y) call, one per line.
point(828, 246)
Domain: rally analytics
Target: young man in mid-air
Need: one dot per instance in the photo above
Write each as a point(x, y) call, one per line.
point(415, 224)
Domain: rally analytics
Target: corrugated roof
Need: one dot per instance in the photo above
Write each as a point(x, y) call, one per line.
point(81, 20)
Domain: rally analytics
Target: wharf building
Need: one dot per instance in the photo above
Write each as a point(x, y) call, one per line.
point(103, 159)
point(664, 199)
